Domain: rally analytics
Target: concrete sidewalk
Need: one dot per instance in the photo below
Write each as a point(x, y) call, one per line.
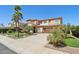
point(5, 50)
point(32, 44)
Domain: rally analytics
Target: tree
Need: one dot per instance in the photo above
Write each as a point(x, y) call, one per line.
point(68, 29)
point(2, 25)
point(26, 28)
point(17, 16)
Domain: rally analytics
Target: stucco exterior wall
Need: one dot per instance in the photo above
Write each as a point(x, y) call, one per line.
point(44, 23)
point(52, 22)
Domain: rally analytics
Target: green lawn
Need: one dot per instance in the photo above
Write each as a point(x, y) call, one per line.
point(72, 42)
point(15, 35)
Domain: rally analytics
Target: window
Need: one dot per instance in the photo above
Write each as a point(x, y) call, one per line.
point(45, 21)
point(57, 22)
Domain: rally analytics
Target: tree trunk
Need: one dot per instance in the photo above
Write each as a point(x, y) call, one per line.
point(18, 29)
point(16, 26)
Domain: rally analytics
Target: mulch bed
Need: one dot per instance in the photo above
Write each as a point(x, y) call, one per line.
point(67, 49)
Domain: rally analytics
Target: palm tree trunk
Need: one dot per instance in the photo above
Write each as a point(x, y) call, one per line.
point(18, 29)
point(16, 26)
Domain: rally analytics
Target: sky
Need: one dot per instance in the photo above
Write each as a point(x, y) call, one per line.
point(69, 13)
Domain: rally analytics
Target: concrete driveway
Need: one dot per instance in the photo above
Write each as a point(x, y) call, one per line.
point(34, 44)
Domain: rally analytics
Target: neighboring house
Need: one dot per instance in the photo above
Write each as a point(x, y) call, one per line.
point(44, 25)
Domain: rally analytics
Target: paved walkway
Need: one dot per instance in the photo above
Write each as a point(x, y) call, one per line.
point(32, 44)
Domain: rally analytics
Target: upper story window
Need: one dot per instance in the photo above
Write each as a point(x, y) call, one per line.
point(40, 22)
point(57, 22)
point(45, 21)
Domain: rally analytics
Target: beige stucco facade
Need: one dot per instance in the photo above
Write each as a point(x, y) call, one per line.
point(45, 25)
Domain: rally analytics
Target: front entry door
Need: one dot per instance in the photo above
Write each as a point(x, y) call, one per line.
point(34, 30)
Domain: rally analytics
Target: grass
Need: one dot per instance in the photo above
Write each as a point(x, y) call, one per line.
point(15, 35)
point(72, 42)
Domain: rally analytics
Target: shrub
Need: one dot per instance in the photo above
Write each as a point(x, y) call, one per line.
point(57, 37)
point(14, 35)
point(20, 35)
point(76, 33)
point(3, 30)
point(10, 31)
point(77, 27)
point(50, 38)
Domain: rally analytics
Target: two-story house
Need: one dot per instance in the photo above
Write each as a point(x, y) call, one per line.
point(46, 25)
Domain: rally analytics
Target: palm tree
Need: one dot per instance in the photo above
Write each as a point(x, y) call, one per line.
point(17, 16)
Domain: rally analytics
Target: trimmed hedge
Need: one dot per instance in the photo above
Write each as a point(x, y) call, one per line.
point(76, 33)
point(4, 30)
